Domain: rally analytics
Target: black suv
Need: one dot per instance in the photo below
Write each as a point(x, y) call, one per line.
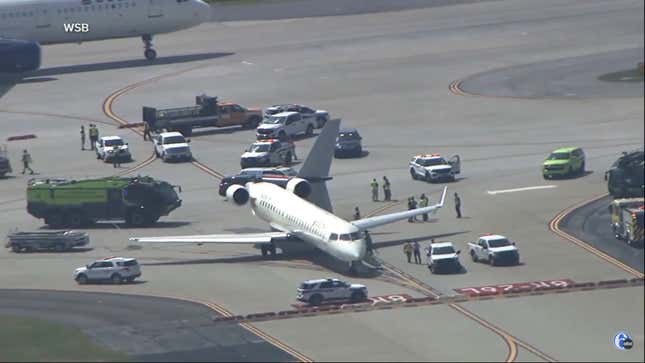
point(348, 143)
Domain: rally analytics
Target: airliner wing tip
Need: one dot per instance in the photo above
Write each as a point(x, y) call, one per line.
point(443, 196)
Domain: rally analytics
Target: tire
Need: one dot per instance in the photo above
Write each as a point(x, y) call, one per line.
point(413, 174)
point(432, 269)
point(310, 130)
point(252, 123)
point(427, 177)
point(116, 279)
point(55, 219)
point(15, 248)
point(98, 156)
point(288, 158)
point(265, 251)
point(474, 257)
point(136, 218)
point(81, 279)
point(582, 169)
point(150, 54)
point(315, 299)
point(357, 296)
point(74, 219)
point(129, 280)
point(491, 261)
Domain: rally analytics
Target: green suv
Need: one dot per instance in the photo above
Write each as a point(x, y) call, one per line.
point(567, 161)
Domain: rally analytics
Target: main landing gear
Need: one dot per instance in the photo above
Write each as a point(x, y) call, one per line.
point(353, 268)
point(149, 53)
point(268, 249)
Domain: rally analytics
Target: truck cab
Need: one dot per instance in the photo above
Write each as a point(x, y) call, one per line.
point(494, 249)
point(268, 152)
point(172, 146)
point(285, 124)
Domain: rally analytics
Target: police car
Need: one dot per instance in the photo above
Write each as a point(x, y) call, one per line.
point(443, 257)
point(111, 147)
point(433, 167)
point(268, 152)
point(321, 116)
point(318, 291)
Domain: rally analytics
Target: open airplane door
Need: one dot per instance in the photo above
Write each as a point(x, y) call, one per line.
point(455, 162)
point(155, 9)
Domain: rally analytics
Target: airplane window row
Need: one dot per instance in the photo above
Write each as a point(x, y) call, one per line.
point(297, 221)
point(80, 9)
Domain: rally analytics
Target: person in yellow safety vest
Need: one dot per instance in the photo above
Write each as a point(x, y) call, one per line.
point(407, 249)
point(423, 202)
point(374, 185)
point(94, 136)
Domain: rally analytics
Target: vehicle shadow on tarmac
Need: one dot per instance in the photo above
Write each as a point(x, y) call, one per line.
point(7, 82)
point(103, 66)
point(572, 177)
point(73, 250)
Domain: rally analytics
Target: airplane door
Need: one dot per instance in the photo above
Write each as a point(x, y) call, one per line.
point(455, 162)
point(43, 19)
point(155, 9)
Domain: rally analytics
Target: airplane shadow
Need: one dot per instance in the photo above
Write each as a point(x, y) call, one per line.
point(7, 82)
point(103, 66)
point(312, 255)
point(123, 225)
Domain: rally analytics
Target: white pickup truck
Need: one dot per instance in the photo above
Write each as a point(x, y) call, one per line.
point(172, 146)
point(285, 124)
point(443, 257)
point(494, 249)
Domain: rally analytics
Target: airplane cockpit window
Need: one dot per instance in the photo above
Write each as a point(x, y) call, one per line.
point(355, 236)
point(345, 237)
point(333, 237)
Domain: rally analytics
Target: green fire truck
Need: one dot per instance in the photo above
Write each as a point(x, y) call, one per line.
point(625, 177)
point(138, 200)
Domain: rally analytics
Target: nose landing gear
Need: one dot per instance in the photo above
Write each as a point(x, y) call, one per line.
point(268, 249)
point(149, 51)
point(353, 268)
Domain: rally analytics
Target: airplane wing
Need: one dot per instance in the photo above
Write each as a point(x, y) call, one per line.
point(371, 222)
point(241, 238)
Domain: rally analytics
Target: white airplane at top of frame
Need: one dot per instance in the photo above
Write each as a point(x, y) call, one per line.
point(301, 212)
point(26, 24)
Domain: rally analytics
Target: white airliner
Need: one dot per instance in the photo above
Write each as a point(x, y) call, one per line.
point(24, 24)
point(302, 212)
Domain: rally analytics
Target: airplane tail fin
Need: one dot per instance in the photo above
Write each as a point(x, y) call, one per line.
point(316, 167)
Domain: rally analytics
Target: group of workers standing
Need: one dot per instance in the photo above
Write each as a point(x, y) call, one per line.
point(410, 249)
point(94, 136)
point(387, 191)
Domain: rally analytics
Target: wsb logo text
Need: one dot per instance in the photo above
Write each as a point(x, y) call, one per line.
point(76, 27)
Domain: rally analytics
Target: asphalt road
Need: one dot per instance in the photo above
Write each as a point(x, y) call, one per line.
point(147, 329)
point(592, 224)
point(387, 74)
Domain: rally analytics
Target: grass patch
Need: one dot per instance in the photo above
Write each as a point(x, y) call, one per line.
point(28, 339)
point(630, 75)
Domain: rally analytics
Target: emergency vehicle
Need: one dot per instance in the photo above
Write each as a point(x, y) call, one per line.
point(269, 152)
point(433, 167)
point(318, 291)
point(627, 219)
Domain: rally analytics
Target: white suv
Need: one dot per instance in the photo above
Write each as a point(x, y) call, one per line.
point(315, 292)
point(172, 146)
point(110, 147)
point(285, 124)
point(114, 269)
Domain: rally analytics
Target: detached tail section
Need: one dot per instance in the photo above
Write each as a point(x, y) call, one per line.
point(316, 167)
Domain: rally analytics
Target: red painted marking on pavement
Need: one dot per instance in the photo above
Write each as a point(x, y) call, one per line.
point(21, 137)
point(515, 287)
point(372, 300)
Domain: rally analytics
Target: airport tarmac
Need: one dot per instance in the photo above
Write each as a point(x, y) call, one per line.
point(387, 74)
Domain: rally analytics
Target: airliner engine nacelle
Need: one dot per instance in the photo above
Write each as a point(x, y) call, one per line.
point(299, 187)
point(17, 56)
point(238, 194)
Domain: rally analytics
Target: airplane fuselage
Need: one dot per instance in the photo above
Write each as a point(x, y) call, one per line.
point(289, 213)
point(51, 21)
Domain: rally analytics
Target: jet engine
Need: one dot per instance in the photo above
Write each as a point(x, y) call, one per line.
point(238, 194)
point(299, 187)
point(18, 56)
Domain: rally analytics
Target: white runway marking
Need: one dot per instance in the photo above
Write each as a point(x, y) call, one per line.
point(493, 192)
point(247, 63)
